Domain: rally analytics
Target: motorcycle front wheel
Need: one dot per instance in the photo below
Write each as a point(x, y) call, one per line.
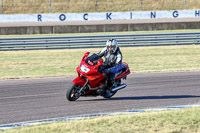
point(72, 92)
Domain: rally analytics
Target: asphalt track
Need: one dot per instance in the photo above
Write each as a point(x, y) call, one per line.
point(34, 99)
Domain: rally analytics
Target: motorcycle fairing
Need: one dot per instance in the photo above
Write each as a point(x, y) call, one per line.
point(79, 81)
point(95, 79)
point(124, 73)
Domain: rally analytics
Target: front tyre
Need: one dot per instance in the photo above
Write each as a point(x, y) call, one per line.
point(72, 92)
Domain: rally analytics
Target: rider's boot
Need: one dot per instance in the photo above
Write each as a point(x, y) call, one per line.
point(113, 83)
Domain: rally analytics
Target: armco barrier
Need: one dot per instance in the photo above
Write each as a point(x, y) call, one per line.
point(96, 41)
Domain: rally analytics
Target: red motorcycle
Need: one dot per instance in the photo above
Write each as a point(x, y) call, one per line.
point(91, 79)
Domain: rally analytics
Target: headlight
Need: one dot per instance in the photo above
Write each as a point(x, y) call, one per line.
point(84, 69)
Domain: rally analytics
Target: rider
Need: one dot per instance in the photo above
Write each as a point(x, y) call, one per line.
point(113, 60)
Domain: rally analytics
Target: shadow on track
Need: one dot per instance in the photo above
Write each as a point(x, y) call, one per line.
point(146, 97)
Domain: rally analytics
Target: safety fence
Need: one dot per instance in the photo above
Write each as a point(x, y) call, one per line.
point(98, 41)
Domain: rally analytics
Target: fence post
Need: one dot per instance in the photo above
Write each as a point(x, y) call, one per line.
point(96, 5)
point(1, 6)
point(141, 5)
point(185, 4)
point(49, 6)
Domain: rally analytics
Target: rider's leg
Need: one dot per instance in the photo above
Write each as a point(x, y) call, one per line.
point(112, 80)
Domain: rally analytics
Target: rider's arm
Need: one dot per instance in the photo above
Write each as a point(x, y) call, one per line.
point(101, 53)
point(119, 59)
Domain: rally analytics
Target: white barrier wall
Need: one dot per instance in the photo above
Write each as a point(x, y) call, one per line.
point(100, 16)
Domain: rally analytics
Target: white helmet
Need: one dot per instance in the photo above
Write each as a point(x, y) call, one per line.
point(112, 45)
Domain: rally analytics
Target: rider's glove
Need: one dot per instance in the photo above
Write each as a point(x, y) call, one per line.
point(101, 69)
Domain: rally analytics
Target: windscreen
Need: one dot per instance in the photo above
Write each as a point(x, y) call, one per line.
point(92, 60)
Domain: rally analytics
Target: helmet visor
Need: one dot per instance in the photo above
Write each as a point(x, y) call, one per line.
point(111, 48)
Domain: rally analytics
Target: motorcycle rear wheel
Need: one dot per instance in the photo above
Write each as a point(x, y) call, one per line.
point(109, 94)
point(72, 94)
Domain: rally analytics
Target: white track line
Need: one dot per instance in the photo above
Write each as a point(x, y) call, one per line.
point(21, 124)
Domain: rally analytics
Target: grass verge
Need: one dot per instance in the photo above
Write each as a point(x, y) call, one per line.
point(54, 63)
point(103, 33)
point(78, 6)
point(170, 121)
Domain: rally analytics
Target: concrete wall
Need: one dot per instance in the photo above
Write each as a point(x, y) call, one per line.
point(18, 30)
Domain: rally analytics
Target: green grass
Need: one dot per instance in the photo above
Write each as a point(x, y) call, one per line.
point(54, 63)
point(103, 33)
point(169, 121)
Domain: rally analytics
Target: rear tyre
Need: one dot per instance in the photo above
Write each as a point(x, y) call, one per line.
point(72, 92)
point(109, 94)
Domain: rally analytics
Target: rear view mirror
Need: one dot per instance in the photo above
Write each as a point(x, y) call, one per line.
point(85, 55)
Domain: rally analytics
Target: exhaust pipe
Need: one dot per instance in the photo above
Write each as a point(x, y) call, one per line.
point(119, 87)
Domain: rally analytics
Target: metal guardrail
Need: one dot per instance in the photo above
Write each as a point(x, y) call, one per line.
point(97, 41)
